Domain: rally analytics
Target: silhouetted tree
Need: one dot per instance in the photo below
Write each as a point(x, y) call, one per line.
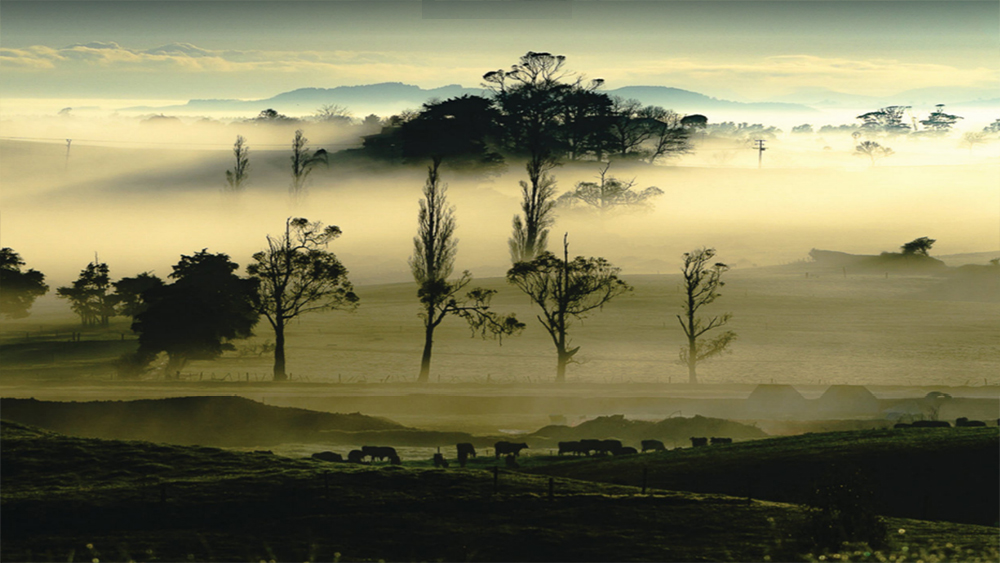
point(18, 290)
point(873, 151)
point(565, 290)
point(303, 162)
point(803, 129)
point(938, 122)
point(971, 139)
point(296, 275)
point(628, 127)
point(610, 193)
point(128, 293)
point(668, 136)
point(921, 245)
point(272, 116)
point(531, 232)
point(992, 128)
point(196, 316)
point(88, 295)
point(434, 250)
point(332, 113)
point(888, 120)
point(700, 283)
point(461, 131)
point(237, 177)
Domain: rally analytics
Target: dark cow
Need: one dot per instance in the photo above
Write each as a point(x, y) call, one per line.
point(654, 445)
point(587, 446)
point(966, 423)
point(356, 456)
point(696, 442)
point(379, 453)
point(570, 448)
point(626, 450)
point(509, 448)
point(722, 440)
point(440, 461)
point(609, 446)
point(466, 449)
point(931, 424)
point(328, 456)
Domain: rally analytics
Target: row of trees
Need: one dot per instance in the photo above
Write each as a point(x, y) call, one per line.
point(303, 161)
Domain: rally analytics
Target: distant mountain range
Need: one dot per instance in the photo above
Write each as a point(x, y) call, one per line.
point(391, 97)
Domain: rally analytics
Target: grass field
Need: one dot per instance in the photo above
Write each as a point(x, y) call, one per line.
point(66, 498)
point(817, 330)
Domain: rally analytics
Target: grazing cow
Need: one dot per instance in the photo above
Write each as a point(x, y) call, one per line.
point(587, 446)
point(626, 450)
point(328, 456)
point(609, 446)
point(931, 424)
point(508, 448)
point(654, 445)
point(440, 461)
point(394, 460)
point(356, 456)
point(379, 453)
point(722, 440)
point(965, 422)
point(466, 449)
point(696, 442)
point(901, 425)
point(570, 448)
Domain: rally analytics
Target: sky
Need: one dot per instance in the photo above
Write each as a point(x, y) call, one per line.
point(744, 50)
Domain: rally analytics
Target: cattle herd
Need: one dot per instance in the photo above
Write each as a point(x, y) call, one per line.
point(508, 450)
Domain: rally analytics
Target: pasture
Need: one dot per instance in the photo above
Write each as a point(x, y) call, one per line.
point(77, 498)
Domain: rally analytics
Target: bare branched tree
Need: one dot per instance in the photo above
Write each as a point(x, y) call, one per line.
point(434, 250)
point(236, 178)
point(303, 162)
point(873, 151)
point(700, 284)
point(565, 290)
point(610, 194)
point(297, 275)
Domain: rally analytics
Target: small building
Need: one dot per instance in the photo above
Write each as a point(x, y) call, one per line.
point(847, 401)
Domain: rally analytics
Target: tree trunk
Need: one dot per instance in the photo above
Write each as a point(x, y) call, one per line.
point(425, 360)
point(692, 360)
point(561, 361)
point(279, 351)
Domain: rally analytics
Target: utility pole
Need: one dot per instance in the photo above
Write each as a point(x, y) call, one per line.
point(760, 151)
point(68, 143)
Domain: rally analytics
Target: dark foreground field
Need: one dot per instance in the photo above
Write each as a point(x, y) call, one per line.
point(66, 498)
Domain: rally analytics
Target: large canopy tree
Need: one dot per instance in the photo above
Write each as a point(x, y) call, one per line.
point(564, 290)
point(89, 295)
point(18, 289)
point(196, 316)
point(432, 263)
point(296, 275)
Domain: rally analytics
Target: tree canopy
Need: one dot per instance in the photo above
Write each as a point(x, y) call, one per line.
point(920, 246)
point(19, 288)
point(196, 316)
point(296, 275)
point(88, 295)
point(564, 290)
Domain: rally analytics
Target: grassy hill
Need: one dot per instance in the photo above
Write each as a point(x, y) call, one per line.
point(946, 474)
point(69, 498)
point(219, 421)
